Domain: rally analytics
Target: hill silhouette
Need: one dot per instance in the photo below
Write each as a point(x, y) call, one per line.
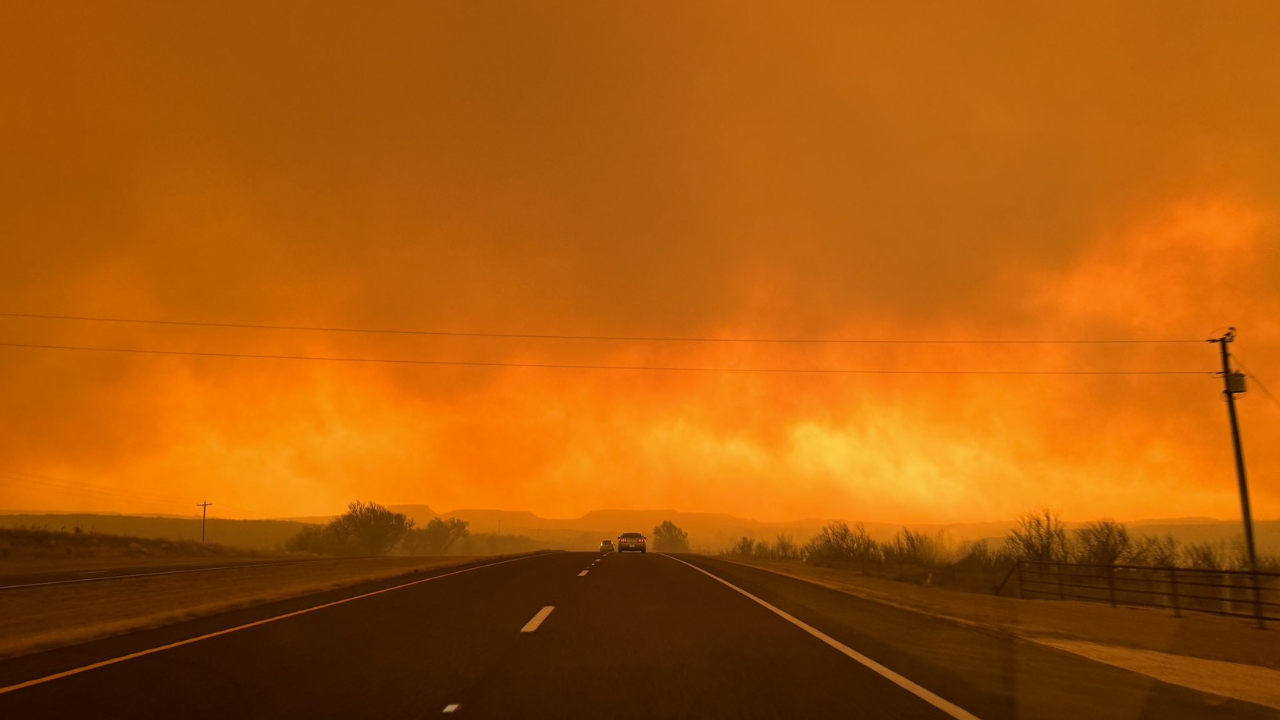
point(715, 531)
point(708, 532)
point(265, 535)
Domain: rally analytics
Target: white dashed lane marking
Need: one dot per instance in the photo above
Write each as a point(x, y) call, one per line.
point(537, 619)
point(581, 574)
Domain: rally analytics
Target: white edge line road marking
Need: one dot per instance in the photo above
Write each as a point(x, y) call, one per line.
point(945, 706)
point(450, 707)
point(537, 619)
point(227, 631)
point(582, 574)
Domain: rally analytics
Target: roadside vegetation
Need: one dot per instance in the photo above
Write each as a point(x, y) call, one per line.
point(495, 544)
point(370, 530)
point(262, 535)
point(668, 537)
point(436, 538)
point(366, 528)
point(980, 565)
point(35, 543)
point(783, 548)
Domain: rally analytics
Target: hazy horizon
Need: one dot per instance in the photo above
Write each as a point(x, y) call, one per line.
point(401, 507)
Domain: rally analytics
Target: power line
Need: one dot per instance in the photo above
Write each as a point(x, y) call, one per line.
point(618, 338)
point(92, 492)
point(562, 366)
point(91, 487)
point(109, 492)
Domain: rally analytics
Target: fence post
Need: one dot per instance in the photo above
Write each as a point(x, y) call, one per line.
point(1062, 594)
point(1018, 566)
point(1229, 584)
point(1173, 592)
point(1111, 584)
point(1257, 601)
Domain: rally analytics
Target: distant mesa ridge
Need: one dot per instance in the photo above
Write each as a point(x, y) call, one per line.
point(707, 531)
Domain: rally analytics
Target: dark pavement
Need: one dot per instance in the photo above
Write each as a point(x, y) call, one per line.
point(639, 636)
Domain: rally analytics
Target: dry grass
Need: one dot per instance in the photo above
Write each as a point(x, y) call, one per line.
point(25, 549)
point(41, 618)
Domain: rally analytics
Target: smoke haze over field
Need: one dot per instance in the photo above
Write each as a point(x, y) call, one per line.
point(719, 170)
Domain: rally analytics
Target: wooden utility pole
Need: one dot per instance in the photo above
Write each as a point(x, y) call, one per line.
point(204, 514)
point(1234, 384)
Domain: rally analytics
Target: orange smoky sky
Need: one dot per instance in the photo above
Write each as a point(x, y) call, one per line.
point(729, 170)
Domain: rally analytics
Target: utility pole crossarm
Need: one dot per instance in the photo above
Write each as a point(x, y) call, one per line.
point(204, 514)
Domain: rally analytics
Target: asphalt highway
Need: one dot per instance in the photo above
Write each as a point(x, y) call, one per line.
point(571, 635)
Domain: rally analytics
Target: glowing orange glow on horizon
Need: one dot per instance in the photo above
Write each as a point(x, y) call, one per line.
point(617, 170)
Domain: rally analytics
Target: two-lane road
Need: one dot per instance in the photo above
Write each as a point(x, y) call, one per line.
point(571, 635)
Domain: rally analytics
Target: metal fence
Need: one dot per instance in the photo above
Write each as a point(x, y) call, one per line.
point(1237, 593)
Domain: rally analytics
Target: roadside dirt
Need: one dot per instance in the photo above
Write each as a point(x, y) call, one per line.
point(40, 618)
point(1244, 682)
point(33, 566)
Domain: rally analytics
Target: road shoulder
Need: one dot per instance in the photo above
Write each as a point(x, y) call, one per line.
point(1220, 656)
point(991, 672)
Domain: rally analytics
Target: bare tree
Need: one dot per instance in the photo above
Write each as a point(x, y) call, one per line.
point(319, 539)
point(1155, 551)
point(975, 552)
point(1102, 542)
point(763, 550)
point(439, 535)
point(913, 546)
point(862, 548)
point(831, 545)
point(373, 528)
point(784, 548)
point(1202, 555)
point(411, 541)
point(365, 528)
point(1039, 536)
point(838, 544)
